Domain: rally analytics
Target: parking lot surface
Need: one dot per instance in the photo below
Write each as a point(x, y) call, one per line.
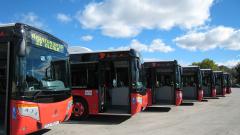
point(220, 116)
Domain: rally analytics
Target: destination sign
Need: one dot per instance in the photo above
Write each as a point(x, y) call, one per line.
point(40, 40)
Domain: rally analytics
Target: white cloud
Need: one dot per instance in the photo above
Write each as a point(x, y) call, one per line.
point(32, 19)
point(87, 38)
point(78, 49)
point(124, 18)
point(64, 18)
point(218, 37)
point(157, 45)
point(229, 63)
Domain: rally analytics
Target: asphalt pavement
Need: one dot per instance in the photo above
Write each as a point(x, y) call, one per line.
point(213, 116)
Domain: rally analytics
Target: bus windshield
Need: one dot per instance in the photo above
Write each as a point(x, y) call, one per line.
point(45, 70)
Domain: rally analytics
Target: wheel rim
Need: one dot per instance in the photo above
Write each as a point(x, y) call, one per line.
point(78, 109)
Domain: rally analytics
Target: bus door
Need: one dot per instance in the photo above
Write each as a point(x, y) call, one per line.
point(114, 86)
point(103, 86)
point(4, 104)
point(189, 87)
point(164, 86)
point(218, 84)
point(207, 87)
point(150, 75)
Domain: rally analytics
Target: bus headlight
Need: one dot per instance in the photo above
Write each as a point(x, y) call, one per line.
point(29, 111)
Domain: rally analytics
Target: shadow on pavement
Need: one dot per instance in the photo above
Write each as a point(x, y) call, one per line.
point(220, 96)
point(187, 104)
point(41, 132)
point(204, 100)
point(157, 109)
point(211, 97)
point(101, 120)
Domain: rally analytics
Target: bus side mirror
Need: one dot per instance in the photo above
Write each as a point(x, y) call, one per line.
point(22, 48)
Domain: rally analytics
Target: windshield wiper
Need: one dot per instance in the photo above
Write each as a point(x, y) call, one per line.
point(36, 94)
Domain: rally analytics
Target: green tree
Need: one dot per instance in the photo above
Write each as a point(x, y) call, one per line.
point(225, 69)
point(206, 63)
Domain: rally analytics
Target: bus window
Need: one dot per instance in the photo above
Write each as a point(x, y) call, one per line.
point(189, 81)
point(163, 80)
point(3, 82)
point(121, 73)
point(84, 76)
point(79, 76)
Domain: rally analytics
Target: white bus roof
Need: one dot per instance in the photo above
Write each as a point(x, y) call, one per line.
point(7, 24)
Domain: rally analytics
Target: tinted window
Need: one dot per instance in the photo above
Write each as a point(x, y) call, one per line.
point(84, 76)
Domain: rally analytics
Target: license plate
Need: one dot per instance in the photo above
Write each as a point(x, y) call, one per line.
point(51, 124)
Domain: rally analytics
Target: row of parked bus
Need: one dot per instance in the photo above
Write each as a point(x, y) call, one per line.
point(41, 85)
point(119, 82)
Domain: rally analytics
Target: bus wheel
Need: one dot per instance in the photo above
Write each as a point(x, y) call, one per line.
point(80, 109)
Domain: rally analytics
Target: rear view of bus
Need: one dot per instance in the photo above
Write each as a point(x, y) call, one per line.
point(34, 85)
point(164, 79)
point(192, 83)
point(208, 83)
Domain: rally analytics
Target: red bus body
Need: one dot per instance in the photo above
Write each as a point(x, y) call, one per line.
point(35, 82)
point(50, 114)
point(167, 94)
point(100, 96)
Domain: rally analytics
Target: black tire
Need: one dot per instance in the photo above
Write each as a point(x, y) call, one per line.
point(84, 114)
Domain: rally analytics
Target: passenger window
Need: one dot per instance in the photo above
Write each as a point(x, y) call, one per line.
point(84, 76)
point(163, 80)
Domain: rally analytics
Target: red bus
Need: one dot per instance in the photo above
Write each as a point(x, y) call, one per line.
point(220, 83)
point(107, 82)
point(192, 83)
point(34, 80)
point(208, 79)
point(164, 80)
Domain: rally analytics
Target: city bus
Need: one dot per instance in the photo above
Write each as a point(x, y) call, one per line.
point(228, 83)
point(192, 83)
point(208, 83)
point(34, 80)
point(107, 82)
point(220, 83)
point(164, 80)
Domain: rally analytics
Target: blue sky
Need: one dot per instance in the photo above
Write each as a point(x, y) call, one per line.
point(160, 29)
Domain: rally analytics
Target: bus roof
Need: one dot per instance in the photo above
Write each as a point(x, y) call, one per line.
point(217, 71)
point(103, 55)
point(7, 24)
point(190, 69)
point(206, 69)
point(160, 64)
point(130, 51)
point(162, 61)
point(105, 51)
